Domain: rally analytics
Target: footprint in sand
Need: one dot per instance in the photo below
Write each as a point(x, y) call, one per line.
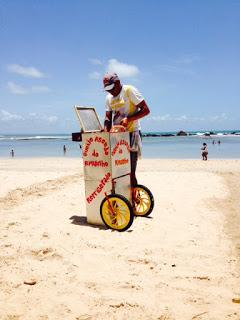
point(124, 305)
point(151, 264)
point(46, 253)
point(94, 245)
point(8, 245)
point(141, 261)
point(11, 224)
point(84, 317)
point(45, 235)
point(128, 285)
point(12, 317)
point(92, 286)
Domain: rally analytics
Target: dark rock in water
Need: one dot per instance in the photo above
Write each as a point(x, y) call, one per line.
point(209, 133)
point(182, 133)
point(158, 135)
point(151, 135)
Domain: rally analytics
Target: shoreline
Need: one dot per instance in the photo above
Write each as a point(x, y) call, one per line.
point(187, 147)
point(15, 158)
point(181, 133)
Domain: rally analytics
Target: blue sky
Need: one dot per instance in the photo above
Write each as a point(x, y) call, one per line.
point(184, 56)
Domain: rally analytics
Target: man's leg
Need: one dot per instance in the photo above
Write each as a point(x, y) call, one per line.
point(134, 158)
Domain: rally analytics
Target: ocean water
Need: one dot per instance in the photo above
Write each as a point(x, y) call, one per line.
point(190, 147)
point(173, 147)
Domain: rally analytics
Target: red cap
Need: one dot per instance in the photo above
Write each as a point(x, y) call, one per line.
point(109, 81)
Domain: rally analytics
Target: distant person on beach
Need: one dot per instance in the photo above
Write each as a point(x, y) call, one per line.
point(204, 151)
point(125, 105)
point(219, 141)
point(12, 153)
point(64, 149)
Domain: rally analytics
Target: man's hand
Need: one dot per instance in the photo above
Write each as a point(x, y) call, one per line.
point(124, 122)
point(108, 121)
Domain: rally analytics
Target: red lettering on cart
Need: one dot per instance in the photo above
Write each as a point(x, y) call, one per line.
point(95, 154)
point(121, 162)
point(87, 146)
point(122, 142)
point(99, 188)
point(99, 163)
point(104, 143)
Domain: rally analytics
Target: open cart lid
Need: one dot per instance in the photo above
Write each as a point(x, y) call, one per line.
point(88, 119)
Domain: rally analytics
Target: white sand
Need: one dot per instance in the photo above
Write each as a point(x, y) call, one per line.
point(181, 263)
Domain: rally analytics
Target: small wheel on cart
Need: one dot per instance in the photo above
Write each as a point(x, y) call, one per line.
point(116, 212)
point(143, 201)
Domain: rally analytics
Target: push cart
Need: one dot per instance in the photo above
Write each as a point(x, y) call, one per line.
point(110, 198)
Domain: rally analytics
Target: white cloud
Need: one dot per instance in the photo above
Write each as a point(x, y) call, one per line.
point(168, 67)
point(96, 62)
point(174, 69)
point(20, 90)
point(159, 118)
point(94, 75)
point(32, 114)
point(7, 116)
point(182, 118)
point(16, 89)
point(188, 59)
point(51, 119)
point(40, 89)
point(181, 65)
point(36, 116)
point(124, 70)
point(220, 117)
point(168, 117)
point(29, 72)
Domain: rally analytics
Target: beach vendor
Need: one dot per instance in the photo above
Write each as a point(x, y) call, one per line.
point(125, 105)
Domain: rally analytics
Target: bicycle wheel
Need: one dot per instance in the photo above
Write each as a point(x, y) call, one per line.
point(116, 212)
point(143, 201)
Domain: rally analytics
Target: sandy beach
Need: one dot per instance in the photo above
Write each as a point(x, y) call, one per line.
point(182, 262)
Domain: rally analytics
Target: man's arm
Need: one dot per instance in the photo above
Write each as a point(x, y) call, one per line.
point(108, 121)
point(143, 111)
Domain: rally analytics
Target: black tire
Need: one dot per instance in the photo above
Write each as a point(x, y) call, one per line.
point(148, 197)
point(113, 222)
